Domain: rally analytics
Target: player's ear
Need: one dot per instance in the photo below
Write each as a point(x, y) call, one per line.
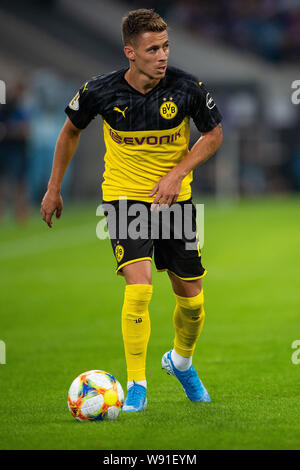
point(129, 52)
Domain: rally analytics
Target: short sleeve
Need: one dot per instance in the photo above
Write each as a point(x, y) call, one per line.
point(82, 108)
point(204, 111)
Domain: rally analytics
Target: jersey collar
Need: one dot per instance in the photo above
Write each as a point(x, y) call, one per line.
point(159, 85)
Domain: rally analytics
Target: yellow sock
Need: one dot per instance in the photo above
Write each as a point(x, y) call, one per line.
point(188, 323)
point(136, 328)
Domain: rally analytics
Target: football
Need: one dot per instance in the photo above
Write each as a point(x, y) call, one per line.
point(94, 396)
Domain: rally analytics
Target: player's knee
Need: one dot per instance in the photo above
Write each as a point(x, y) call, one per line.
point(138, 280)
point(138, 296)
point(185, 288)
point(138, 273)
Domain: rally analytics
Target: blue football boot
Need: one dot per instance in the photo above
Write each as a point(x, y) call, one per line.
point(192, 385)
point(136, 398)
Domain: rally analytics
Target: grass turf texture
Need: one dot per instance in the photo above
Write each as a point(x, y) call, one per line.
point(60, 316)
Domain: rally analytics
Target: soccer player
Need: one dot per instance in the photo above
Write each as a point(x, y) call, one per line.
point(146, 109)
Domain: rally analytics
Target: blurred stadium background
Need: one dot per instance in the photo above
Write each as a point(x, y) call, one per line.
point(60, 299)
point(247, 52)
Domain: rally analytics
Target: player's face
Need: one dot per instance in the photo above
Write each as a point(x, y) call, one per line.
point(151, 53)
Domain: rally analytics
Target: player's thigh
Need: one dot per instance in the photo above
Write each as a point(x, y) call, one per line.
point(139, 272)
point(177, 251)
point(133, 253)
point(185, 288)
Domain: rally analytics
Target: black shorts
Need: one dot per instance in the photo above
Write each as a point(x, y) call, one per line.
point(135, 231)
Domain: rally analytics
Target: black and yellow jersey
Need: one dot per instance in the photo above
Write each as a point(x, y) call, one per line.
point(146, 135)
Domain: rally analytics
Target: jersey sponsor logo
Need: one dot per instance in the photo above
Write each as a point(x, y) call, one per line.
point(210, 101)
point(119, 253)
point(148, 140)
point(120, 111)
point(168, 110)
point(74, 103)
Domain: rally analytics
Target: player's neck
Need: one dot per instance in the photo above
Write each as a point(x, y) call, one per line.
point(140, 82)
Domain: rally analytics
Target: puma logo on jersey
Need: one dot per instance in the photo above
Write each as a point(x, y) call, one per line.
point(120, 111)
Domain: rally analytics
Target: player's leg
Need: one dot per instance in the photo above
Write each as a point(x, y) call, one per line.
point(134, 256)
point(181, 257)
point(188, 320)
point(135, 318)
point(136, 331)
point(139, 272)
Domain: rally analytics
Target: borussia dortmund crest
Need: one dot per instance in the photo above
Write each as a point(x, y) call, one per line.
point(168, 109)
point(119, 253)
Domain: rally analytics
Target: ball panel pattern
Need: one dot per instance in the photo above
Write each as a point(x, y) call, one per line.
point(74, 389)
point(113, 412)
point(95, 395)
point(92, 406)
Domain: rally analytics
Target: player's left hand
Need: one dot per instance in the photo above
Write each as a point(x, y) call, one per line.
point(167, 190)
point(52, 202)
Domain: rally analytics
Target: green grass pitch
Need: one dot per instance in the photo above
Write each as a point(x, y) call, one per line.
point(60, 316)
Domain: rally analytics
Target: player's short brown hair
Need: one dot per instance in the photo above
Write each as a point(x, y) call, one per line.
point(141, 21)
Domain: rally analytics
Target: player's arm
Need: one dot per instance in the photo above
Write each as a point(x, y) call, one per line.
point(168, 187)
point(64, 150)
point(80, 111)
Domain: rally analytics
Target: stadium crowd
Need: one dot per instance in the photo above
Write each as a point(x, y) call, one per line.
point(268, 148)
point(29, 124)
point(267, 28)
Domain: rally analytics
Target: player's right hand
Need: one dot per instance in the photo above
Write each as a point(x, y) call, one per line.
point(52, 201)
